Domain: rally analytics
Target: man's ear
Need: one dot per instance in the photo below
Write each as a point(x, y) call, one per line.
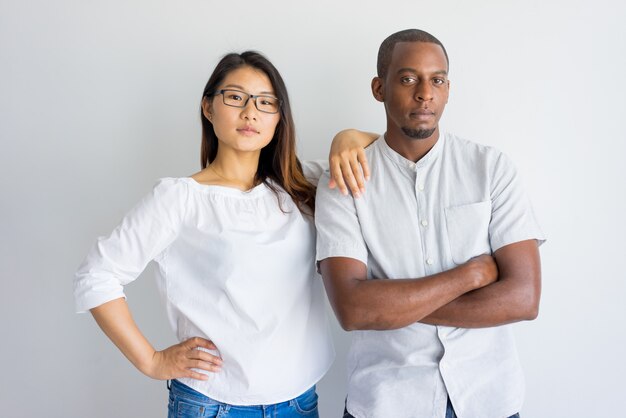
point(378, 89)
point(207, 109)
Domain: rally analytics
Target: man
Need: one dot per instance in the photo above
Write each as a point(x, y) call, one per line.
point(430, 265)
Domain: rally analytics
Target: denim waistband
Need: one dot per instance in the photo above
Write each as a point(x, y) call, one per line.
point(179, 388)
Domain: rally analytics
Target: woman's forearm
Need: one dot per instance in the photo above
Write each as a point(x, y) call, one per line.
point(116, 321)
point(184, 359)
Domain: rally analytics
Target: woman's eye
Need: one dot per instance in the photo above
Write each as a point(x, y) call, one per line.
point(234, 97)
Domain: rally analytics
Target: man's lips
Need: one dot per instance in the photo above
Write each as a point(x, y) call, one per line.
point(422, 113)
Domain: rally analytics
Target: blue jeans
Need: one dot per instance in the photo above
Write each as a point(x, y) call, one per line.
point(449, 412)
point(185, 402)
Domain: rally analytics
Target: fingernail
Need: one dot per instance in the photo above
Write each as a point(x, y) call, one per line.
point(357, 195)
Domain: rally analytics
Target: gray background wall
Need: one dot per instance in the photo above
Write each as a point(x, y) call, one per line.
point(99, 99)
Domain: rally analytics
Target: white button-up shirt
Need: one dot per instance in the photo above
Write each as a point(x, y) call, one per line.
point(417, 219)
point(232, 268)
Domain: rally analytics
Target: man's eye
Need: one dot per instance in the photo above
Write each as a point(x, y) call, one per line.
point(407, 80)
point(439, 81)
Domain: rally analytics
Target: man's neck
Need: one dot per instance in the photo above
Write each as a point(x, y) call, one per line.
point(410, 148)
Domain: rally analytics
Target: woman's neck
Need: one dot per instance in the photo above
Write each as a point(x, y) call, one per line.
point(231, 170)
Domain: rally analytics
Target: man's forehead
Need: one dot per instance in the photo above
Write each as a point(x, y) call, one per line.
point(418, 54)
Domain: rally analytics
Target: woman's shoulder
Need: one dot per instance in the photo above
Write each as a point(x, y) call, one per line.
point(168, 192)
point(171, 186)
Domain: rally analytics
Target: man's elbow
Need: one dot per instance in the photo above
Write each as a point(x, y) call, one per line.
point(355, 318)
point(348, 326)
point(517, 311)
point(525, 314)
point(532, 311)
point(349, 319)
point(528, 307)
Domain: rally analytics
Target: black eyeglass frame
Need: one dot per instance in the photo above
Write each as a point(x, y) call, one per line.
point(250, 96)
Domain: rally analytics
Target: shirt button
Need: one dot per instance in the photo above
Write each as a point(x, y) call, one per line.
point(424, 222)
point(421, 187)
point(430, 261)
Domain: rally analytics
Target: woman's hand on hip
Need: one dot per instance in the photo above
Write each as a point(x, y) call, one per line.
point(179, 360)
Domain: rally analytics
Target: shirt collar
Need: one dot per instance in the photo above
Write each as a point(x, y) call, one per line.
point(408, 164)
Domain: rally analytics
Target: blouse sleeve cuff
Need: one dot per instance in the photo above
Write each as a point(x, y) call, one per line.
point(94, 299)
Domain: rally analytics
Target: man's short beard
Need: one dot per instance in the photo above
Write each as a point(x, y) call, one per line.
point(418, 133)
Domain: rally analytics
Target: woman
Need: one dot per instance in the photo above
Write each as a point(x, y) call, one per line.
point(235, 249)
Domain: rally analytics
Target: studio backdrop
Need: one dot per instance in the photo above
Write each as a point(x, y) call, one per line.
point(100, 99)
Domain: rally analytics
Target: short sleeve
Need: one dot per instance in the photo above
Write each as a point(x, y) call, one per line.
point(143, 234)
point(338, 230)
point(512, 216)
point(313, 170)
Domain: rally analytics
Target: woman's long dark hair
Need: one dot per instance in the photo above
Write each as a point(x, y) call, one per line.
point(278, 160)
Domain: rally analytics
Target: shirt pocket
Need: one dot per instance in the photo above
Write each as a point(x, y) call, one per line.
point(468, 230)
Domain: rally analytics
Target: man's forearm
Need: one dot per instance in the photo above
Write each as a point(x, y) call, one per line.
point(514, 297)
point(493, 305)
point(395, 303)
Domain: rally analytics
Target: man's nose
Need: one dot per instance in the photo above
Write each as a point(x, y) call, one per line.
point(423, 92)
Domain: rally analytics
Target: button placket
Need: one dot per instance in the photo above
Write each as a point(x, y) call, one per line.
point(421, 197)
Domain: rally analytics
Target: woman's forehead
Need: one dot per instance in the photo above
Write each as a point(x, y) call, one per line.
point(249, 79)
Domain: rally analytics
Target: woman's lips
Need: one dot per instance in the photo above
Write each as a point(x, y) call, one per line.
point(248, 131)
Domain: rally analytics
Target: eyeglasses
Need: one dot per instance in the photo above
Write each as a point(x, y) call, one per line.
point(236, 98)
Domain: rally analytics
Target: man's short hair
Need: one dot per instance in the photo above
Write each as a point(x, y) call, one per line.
point(408, 35)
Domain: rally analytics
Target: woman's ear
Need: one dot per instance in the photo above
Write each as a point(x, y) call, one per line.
point(207, 108)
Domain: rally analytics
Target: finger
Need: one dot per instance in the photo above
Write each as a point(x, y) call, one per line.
point(203, 365)
point(204, 356)
point(333, 168)
point(338, 176)
point(348, 176)
point(358, 174)
point(201, 342)
point(364, 164)
point(195, 375)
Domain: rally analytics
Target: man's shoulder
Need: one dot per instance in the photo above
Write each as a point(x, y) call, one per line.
point(475, 158)
point(457, 143)
point(326, 194)
point(374, 147)
point(462, 149)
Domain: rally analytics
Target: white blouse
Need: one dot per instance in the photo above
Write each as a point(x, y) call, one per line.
point(232, 268)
